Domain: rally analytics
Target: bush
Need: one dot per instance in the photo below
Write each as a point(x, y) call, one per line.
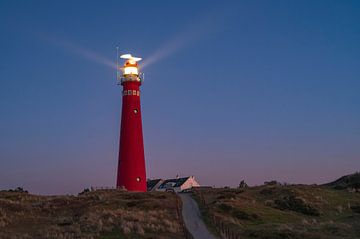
point(243, 184)
point(355, 208)
point(292, 203)
point(225, 207)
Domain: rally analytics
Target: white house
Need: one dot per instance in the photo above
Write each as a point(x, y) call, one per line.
point(173, 185)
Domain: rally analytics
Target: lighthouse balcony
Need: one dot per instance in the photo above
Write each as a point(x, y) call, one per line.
point(127, 78)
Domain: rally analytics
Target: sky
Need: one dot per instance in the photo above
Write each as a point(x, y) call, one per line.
point(233, 90)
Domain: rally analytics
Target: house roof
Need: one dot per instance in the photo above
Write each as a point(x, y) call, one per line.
point(152, 183)
point(176, 181)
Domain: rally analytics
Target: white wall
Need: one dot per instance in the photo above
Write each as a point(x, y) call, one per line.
point(191, 182)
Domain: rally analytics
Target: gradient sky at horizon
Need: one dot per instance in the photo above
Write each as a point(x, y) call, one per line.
point(253, 90)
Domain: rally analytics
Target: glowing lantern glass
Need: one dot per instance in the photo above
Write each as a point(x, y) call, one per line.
point(131, 70)
point(130, 66)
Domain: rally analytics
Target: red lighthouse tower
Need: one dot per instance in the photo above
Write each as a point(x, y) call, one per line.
point(131, 168)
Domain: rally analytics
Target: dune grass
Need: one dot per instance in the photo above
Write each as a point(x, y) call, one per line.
point(277, 211)
point(98, 214)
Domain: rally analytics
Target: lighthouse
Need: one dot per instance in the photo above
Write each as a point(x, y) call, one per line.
point(131, 173)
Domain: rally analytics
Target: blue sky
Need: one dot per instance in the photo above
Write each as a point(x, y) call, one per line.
point(253, 90)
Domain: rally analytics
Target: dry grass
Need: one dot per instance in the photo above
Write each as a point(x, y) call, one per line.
point(275, 211)
point(100, 214)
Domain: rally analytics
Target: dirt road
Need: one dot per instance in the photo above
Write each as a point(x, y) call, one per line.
point(192, 218)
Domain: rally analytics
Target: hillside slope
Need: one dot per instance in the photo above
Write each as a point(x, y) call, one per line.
point(277, 211)
point(99, 214)
point(351, 181)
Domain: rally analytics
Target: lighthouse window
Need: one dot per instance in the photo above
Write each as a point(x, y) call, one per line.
point(138, 179)
point(134, 92)
point(136, 111)
point(129, 92)
point(124, 92)
point(138, 93)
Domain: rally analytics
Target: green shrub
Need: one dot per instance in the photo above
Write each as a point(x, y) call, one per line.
point(292, 203)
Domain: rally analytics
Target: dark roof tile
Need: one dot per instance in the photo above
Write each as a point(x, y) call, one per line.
point(178, 182)
point(152, 183)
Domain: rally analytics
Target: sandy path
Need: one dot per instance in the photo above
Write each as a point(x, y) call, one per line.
point(192, 218)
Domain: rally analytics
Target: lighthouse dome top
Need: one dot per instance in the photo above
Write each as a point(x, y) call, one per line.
point(130, 57)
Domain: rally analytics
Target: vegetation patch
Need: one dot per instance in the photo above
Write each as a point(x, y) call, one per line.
point(351, 182)
point(278, 211)
point(96, 214)
point(296, 204)
point(237, 212)
point(355, 208)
